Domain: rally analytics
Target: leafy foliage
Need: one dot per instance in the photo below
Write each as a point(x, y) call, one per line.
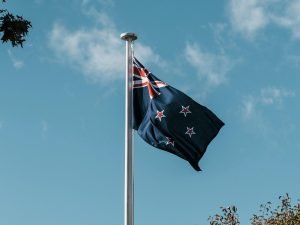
point(284, 214)
point(229, 216)
point(13, 27)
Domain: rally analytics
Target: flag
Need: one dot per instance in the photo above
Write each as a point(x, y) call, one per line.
point(170, 120)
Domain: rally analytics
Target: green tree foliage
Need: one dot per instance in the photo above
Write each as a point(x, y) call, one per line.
point(14, 28)
point(284, 214)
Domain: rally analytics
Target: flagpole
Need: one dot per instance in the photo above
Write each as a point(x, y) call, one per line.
point(128, 185)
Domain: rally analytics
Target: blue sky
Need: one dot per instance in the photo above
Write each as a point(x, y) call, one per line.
point(62, 109)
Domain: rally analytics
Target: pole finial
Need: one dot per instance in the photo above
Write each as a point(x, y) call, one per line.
point(128, 36)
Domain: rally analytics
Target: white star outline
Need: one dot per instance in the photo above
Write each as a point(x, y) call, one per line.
point(170, 141)
point(185, 110)
point(159, 115)
point(190, 131)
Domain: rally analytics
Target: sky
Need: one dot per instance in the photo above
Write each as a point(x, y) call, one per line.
point(62, 109)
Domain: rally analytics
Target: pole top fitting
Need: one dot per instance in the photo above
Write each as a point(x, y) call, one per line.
point(128, 36)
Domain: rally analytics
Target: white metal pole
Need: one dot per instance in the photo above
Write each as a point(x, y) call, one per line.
point(128, 190)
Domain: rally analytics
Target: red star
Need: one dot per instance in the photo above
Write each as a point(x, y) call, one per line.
point(185, 110)
point(170, 141)
point(159, 115)
point(190, 131)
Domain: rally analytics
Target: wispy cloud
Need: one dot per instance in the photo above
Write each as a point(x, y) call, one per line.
point(38, 2)
point(44, 128)
point(211, 67)
point(102, 2)
point(273, 95)
point(261, 112)
point(248, 106)
point(290, 18)
point(248, 17)
point(267, 96)
point(97, 52)
point(17, 63)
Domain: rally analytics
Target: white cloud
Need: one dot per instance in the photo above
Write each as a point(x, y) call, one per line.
point(273, 95)
point(267, 96)
point(147, 55)
point(263, 113)
point(17, 63)
point(248, 16)
point(290, 18)
point(248, 107)
point(251, 16)
point(209, 66)
point(97, 52)
point(220, 34)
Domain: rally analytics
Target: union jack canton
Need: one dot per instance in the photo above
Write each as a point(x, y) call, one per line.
point(142, 78)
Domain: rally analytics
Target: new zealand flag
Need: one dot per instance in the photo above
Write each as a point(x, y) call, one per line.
point(170, 120)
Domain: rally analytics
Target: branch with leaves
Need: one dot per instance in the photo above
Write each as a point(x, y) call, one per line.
point(14, 28)
point(284, 214)
point(229, 216)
